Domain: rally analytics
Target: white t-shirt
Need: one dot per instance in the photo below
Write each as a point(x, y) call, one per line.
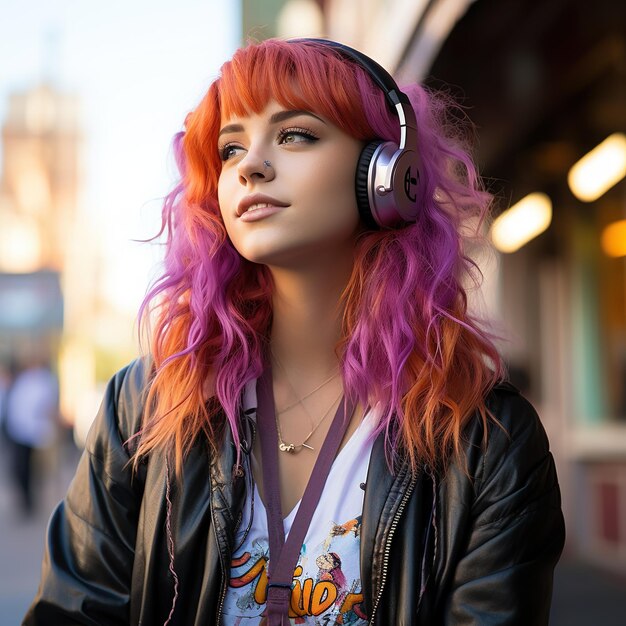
point(327, 579)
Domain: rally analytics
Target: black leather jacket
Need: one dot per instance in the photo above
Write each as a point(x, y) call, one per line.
point(476, 545)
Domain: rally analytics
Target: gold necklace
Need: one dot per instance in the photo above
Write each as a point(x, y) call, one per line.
point(292, 448)
point(293, 391)
point(308, 395)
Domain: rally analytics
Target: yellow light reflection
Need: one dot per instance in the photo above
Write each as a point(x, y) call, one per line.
point(614, 239)
point(524, 221)
point(20, 246)
point(300, 18)
point(33, 190)
point(599, 169)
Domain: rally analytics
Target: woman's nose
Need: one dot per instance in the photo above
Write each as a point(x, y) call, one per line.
point(253, 167)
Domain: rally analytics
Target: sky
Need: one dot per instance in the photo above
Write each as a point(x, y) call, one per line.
point(138, 66)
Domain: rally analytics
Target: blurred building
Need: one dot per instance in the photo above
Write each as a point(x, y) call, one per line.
point(47, 258)
point(545, 82)
point(281, 18)
point(38, 198)
point(40, 141)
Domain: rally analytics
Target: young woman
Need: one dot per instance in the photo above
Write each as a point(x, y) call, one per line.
point(314, 372)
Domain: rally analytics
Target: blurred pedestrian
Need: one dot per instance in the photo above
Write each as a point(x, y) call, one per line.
point(6, 378)
point(31, 417)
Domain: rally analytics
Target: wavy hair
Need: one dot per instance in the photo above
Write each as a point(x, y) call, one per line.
point(408, 342)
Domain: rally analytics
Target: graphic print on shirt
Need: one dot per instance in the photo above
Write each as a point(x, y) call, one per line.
point(326, 587)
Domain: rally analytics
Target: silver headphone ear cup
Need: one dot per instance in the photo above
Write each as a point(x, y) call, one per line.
point(405, 185)
point(362, 184)
point(392, 185)
point(386, 185)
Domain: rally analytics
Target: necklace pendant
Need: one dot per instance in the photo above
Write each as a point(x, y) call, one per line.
point(286, 447)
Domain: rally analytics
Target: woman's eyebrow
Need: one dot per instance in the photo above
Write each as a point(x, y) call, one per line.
point(231, 128)
point(280, 116)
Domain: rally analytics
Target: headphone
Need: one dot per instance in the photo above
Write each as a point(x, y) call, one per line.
point(387, 174)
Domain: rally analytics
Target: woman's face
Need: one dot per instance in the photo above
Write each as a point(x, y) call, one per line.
point(303, 204)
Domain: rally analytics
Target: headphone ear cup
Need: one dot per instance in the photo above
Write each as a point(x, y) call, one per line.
point(362, 184)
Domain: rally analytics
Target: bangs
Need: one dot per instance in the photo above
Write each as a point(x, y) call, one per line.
point(306, 76)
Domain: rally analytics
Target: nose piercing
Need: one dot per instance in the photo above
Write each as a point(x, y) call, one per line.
point(267, 164)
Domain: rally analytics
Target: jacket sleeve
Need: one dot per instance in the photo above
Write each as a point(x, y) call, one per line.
point(90, 545)
point(516, 529)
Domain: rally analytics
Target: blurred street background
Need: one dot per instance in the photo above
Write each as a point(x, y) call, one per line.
point(91, 95)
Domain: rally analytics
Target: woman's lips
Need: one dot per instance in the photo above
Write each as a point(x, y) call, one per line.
point(259, 211)
point(258, 206)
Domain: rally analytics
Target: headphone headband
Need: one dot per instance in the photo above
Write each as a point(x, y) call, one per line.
point(378, 73)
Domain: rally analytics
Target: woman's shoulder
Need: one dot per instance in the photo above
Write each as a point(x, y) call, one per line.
point(512, 415)
point(123, 403)
point(133, 378)
point(516, 444)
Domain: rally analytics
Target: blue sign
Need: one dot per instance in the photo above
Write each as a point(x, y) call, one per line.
point(31, 302)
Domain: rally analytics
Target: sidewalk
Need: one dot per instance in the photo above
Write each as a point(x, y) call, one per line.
point(22, 539)
point(583, 596)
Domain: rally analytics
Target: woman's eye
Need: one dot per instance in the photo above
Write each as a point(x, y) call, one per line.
point(296, 135)
point(229, 151)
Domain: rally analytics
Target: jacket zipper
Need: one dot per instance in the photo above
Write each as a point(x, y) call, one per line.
point(239, 518)
point(222, 598)
point(224, 585)
point(387, 551)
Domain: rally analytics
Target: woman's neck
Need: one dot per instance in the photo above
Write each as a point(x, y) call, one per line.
point(306, 327)
point(307, 316)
